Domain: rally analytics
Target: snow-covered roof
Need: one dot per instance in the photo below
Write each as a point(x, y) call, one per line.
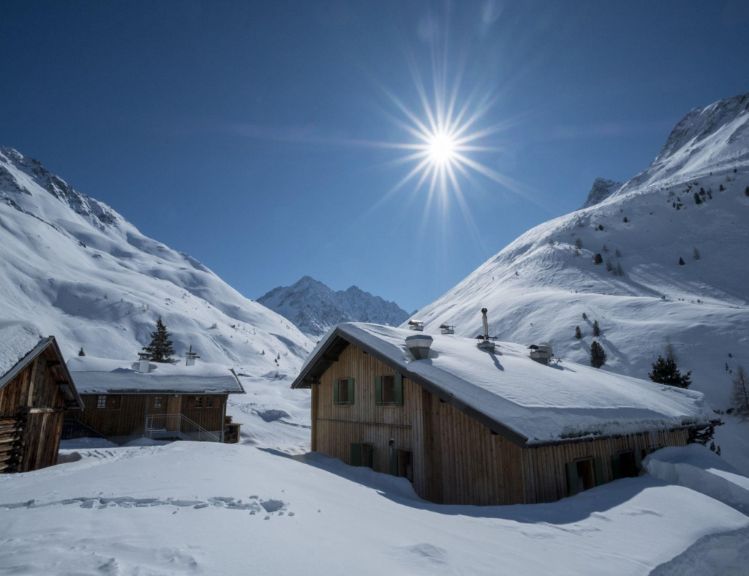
point(128, 381)
point(20, 344)
point(16, 341)
point(527, 401)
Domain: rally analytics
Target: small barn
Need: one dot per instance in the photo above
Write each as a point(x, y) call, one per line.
point(178, 404)
point(35, 391)
point(470, 424)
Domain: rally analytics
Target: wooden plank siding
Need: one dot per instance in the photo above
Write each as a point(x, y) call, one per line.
point(31, 416)
point(337, 426)
point(455, 458)
point(544, 466)
point(125, 414)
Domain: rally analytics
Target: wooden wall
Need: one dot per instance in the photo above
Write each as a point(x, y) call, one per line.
point(31, 415)
point(544, 466)
point(456, 459)
point(125, 414)
point(337, 426)
point(467, 463)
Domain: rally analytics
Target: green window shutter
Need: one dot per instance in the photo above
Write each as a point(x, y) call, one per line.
point(399, 389)
point(369, 456)
point(616, 469)
point(573, 482)
point(350, 390)
point(378, 389)
point(598, 467)
point(393, 461)
point(356, 450)
point(336, 385)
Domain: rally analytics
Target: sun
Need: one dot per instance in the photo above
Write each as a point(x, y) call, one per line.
point(441, 148)
point(446, 135)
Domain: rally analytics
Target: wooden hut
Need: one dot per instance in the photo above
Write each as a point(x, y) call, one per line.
point(35, 391)
point(182, 404)
point(484, 426)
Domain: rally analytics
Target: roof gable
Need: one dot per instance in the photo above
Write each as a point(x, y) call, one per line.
point(45, 345)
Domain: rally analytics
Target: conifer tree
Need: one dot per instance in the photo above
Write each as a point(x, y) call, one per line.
point(597, 355)
point(665, 371)
point(578, 332)
point(81, 352)
point(596, 328)
point(160, 349)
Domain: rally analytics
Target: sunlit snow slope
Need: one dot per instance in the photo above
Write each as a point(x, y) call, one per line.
point(692, 204)
point(77, 269)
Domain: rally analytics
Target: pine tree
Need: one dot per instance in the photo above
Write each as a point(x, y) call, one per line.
point(81, 352)
point(160, 349)
point(596, 328)
point(597, 355)
point(598, 259)
point(665, 371)
point(741, 392)
point(681, 261)
point(578, 332)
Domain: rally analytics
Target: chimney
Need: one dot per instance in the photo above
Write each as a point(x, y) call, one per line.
point(416, 325)
point(144, 363)
point(419, 345)
point(190, 357)
point(447, 328)
point(485, 342)
point(541, 352)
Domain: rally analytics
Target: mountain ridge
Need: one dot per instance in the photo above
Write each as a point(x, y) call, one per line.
point(669, 243)
point(77, 269)
point(314, 307)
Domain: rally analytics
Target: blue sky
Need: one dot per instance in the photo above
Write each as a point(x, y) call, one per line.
point(244, 133)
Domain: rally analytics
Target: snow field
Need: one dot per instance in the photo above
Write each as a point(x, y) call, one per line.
point(199, 508)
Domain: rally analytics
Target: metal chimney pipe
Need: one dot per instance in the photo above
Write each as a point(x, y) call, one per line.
point(486, 323)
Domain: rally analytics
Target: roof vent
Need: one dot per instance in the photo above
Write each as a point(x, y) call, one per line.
point(190, 357)
point(143, 364)
point(485, 341)
point(417, 325)
point(447, 328)
point(541, 352)
point(419, 345)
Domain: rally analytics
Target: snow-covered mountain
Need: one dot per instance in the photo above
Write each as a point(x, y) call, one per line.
point(75, 268)
point(314, 307)
point(601, 189)
point(673, 247)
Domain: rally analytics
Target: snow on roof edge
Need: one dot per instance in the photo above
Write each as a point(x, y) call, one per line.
point(527, 423)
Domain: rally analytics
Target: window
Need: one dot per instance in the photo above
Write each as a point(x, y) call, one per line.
point(209, 402)
point(362, 455)
point(389, 390)
point(157, 401)
point(198, 401)
point(101, 401)
point(343, 391)
point(583, 474)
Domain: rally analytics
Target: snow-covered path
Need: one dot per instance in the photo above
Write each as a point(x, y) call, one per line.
point(191, 508)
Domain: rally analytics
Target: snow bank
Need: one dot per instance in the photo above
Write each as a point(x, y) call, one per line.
point(696, 467)
point(232, 510)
